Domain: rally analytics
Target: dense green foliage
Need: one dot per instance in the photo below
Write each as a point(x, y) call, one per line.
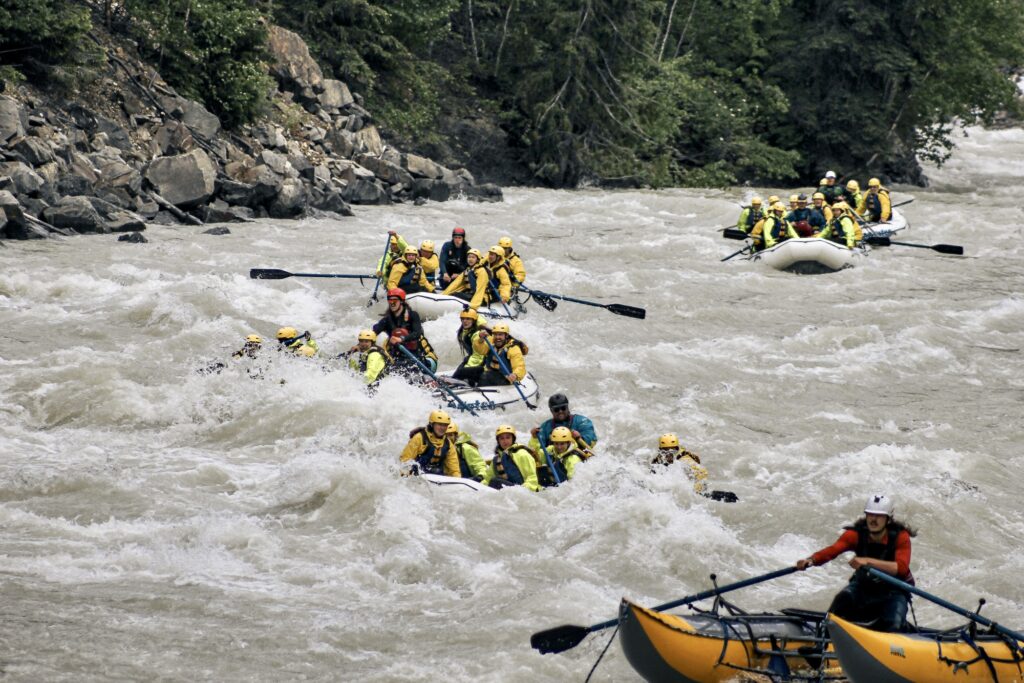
point(212, 51)
point(38, 35)
point(611, 91)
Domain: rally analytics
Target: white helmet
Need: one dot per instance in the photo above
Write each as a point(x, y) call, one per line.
point(879, 504)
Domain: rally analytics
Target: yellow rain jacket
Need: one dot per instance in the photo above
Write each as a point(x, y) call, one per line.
point(517, 464)
point(877, 207)
point(304, 347)
point(430, 265)
point(844, 227)
point(515, 265)
point(697, 473)
point(434, 455)
point(499, 274)
point(476, 277)
point(774, 224)
point(512, 353)
point(370, 362)
point(475, 342)
point(385, 262)
point(566, 462)
point(469, 453)
point(419, 277)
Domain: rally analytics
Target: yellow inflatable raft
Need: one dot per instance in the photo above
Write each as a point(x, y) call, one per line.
point(930, 657)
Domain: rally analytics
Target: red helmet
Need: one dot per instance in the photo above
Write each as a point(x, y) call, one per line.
point(400, 293)
point(459, 231)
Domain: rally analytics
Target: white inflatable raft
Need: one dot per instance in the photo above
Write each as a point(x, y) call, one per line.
point(488, 398)
point(455, 482)
point(810, 256)
point(895, 223)
point(431, 305)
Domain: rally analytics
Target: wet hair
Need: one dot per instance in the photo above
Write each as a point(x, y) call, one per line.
point(894, 525)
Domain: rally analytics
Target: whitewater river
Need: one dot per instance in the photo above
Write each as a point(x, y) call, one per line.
point(158, 523)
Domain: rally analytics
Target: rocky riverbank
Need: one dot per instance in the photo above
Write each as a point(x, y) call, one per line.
point(128, 150)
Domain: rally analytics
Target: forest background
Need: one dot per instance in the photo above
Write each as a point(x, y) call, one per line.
point(586, 92)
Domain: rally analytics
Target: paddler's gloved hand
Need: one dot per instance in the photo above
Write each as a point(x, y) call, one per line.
point(499, 483)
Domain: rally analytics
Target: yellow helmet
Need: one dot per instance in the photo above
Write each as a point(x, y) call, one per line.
point(840, 206)
point(778, 206)
point(409, 249)
point(427, 245)
point(853, 186)
point(505, 243)
point(794, 198)
point(254, 339)
point(756, 201)
point(668, 441)
point(874, 182)
point(561, 435)
point(469, 313)
point(823, 181)
point(452, 428)
point(497, 251)
point(773, 199)
point(367, 335)
point(393, 239)
point(287, 333)
point(504, 429)
point(500, 327)
point(475, 252)
point(818, 195)
point(306, 350)
point(440, 417)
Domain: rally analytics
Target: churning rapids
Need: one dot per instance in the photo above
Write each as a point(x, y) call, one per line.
point(156, 523)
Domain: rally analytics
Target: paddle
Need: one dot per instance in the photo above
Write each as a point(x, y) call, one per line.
point(562, 638)
point(973, 616)
point(497, 295)
point(884, 241)
point(735, 253)
point(275, 274)
point(734, 234)
point(424, 369)
point(617, 309)
point(505, 370)
point(373, 297)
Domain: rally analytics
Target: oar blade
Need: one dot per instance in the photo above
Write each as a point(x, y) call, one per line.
point(545, 301)
point(878, 240)
point(558, 639)
point(268, 274)
point(734, 234)
point(949, 249)
point(628, 311)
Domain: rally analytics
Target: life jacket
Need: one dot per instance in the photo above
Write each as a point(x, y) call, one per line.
point(432, 459)
point(464, 471)
point(418, 346)
point(456, 261)
point(753, 216)
point(873, 205)
point(494, 284)
point(558, 461)
point(364, 356)
point(470, 276)
point(833, 193)
point(879, 551)
point(496, 364)
point(839, 229)
point(465, 337)
point(505, 465)
point(410, 280)
point(776, 228)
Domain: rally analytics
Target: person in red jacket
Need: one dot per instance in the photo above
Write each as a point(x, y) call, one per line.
point(879, 541)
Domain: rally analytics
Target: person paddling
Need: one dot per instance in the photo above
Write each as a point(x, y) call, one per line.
point(472, 283)
point(670, 452)
point(289, 339)
point(875, 206)
point(431, 450)
point(367, 358)
point(471, 463)
point(580, 425)
point(403, 326)
point(564, 454)
point(471, 336)
point(513, 464)
point(408, 274)
point(750, 215)
point(879, 541)
point(508, 353)
point(515, 263)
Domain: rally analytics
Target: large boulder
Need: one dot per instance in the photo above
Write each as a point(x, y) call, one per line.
point(335, 95)
point(13, 223)
point(436, 190)
point(25, 180)
point(199, 119)
point(265, 183)
point(174, 138)
point(365, 191)
point(76, 213)
point(330, 200)
point(488, 192)
point(238, 194)
point(34, 150)
point(386, 171)
point(185, 180)
point(290, 200)
point(278, 163)
point(292, 65)
point(10, 119)
point(421, 166)
point(341, 142)
point(368, 141)
point(117, 174)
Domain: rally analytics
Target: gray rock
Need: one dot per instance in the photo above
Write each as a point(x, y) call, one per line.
point(185, 180)
point(217, 231)
point(24, 179)
point(10, 119)
point(386, 171)
point(134, 238)
point(332, 201)
point(35, 151)
point(278, 163)
point(364, 191)
point(321, 175)
point(420, 201)
point(269, 136)
point(115, 134)
point(236, 193)
point(76, 213)
point(289, 200)
point(118, 197)
point(341, 142)
point(117, 174)
point(301, 165)
point(350, 172)
point(81, 166)
point(335, 94)
point(125, 221)
point(146, 208)
point(488, 192)
point(368, 141)
point(266, 184)
point(421, 166)
point(50, 173)
point(73, 184)
point(13, 223)
point(292, 64)
point(199, 119)
point(435, 190)
point(174, 138)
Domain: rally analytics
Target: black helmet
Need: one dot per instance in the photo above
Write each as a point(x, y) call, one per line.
point(558, 401)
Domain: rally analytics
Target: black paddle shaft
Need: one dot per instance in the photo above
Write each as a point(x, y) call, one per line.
point(276, 274)
point(617, 309)
point(562, 638)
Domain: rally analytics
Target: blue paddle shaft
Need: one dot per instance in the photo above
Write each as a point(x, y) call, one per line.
point(505, 369)
point(448, 391)
point(973, 616)
point(387, 245)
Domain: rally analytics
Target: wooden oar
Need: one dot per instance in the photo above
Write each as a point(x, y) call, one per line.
point(973, 616)
point(885, 241)
point(562, 638)
point(617, 309)
point(275, 274)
